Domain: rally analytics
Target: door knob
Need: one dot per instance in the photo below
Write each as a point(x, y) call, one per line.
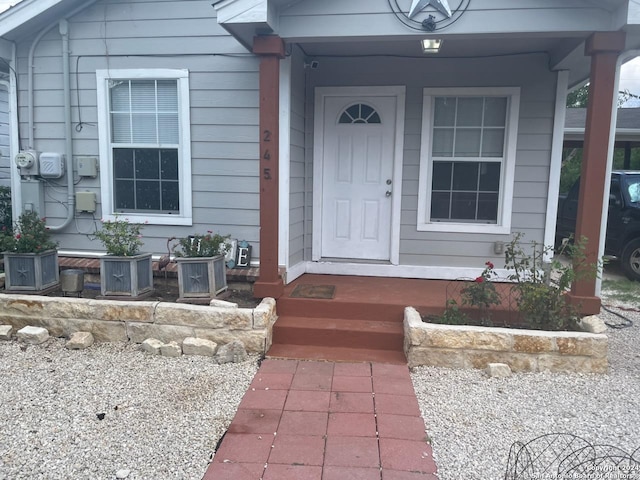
point(388, 193)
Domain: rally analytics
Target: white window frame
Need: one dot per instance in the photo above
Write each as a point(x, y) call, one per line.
point(507, 174)
point(185, 217)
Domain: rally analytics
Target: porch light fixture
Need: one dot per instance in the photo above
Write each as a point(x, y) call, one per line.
point(431, 45)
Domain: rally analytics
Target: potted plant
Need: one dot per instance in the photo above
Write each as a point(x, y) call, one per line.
point(30, 256)
point(201, 267)
point(124, 272)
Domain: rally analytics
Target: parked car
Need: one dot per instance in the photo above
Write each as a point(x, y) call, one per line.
point(623, 225)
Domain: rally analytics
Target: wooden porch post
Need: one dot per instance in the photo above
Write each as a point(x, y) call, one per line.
point(271, 50)
point(604, 48)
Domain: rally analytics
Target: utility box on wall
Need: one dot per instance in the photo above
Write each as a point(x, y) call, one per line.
point(85, 202)
point(32, 196)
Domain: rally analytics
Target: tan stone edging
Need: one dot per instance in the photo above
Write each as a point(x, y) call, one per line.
point(461, 346)
point(114, 321)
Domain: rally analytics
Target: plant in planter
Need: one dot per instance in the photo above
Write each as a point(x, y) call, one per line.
point(30, 256)
point(124, 272)
point(201, 266)
point(481, 294)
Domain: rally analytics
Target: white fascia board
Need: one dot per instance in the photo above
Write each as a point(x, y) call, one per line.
point(23, 12)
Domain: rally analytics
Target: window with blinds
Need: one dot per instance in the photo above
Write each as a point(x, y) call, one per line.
point(145, 138)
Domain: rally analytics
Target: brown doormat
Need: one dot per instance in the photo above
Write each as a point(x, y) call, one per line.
point(313, 291)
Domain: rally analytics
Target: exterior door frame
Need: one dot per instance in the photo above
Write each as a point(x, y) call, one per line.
point(318, 159)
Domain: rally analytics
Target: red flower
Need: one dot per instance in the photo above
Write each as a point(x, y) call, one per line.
point(490, 265)
point(479, 280)
point(18, 236)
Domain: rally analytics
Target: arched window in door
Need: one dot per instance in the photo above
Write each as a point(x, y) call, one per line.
point(359, 113)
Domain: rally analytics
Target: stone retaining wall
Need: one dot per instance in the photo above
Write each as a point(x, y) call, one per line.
point(459, 346)
point(121, 321)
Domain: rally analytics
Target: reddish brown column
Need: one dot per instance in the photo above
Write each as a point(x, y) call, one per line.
point(604, 48)
point(271, 50)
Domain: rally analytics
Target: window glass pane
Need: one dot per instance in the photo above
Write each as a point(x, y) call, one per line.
point(147, 164)
point(467, 142)
point(465, 176)
point(170, 197)
point(445, 112)
point(495, 111)
point(488, 207)
point(120, 128)
point(374, 118)
point(144, 128)
point(119, 90)
point(168, 128)
point(124, 195)
point(442, 175)
point(493, 142)
point(365, 111)
point(490, 177)
point(442, 142)
point(167, 96)
point(345, 118)
point(148, 195)
point(123, 163)
point(440, 205)
point(169, 164)
point(143, 95)
point(463, 206)
point(469, 112)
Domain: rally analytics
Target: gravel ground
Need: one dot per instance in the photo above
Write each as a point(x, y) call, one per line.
point(162, 417)
point(473, 420)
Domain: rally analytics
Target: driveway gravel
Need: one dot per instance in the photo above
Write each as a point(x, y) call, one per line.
point(112, 410)
point(472, 420)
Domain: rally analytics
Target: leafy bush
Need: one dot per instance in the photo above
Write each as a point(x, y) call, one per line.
point(30, 235)
point(208, 245)
point(120, 238)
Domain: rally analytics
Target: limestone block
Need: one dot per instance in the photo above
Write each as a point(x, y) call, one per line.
point(587, 344)
point(415, 331)
point(171, 349)
point(102, 331)
point(493, 340)
point(139, 332)
point(203, 316)
point(199, 346)
point(253, 340)
point(599, 365)
point(24, 304)
point(449, 336)
point(564, 363)
point(5, 332)
point(215, 302)
point(152, 346)
point(264, 314)
point(231, 352)
point(33, 335)
point(498, 370)
point(123, 311)
point(437, 357)
point(54, 307)
point(534, 342)
point(80, 341)
point(592, 324)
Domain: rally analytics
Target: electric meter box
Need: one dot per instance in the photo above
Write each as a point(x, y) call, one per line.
point(27, 162)
point(51, 165)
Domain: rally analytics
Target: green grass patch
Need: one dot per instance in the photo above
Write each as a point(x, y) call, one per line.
point(626, 291)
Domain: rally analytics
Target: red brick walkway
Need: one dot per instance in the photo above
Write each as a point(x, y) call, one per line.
point(303, 420)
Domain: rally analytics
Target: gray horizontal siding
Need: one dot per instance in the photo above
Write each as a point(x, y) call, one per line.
point(223, 80)
point(533, 143)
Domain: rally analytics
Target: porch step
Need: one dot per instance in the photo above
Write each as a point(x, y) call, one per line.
point(338, 332)
point(355, 310)
point(336, 354)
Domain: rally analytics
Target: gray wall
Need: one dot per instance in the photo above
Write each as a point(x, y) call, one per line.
point(533, 144)
point(297, 168)
point(224, 108)
point(5, 138)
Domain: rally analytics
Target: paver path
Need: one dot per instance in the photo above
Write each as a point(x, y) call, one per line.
point(304, 420)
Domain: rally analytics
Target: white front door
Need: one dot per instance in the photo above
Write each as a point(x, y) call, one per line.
point(357, 176)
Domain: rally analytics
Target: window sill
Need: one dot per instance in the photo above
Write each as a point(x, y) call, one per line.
point(151, 219)
point(464, 228)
